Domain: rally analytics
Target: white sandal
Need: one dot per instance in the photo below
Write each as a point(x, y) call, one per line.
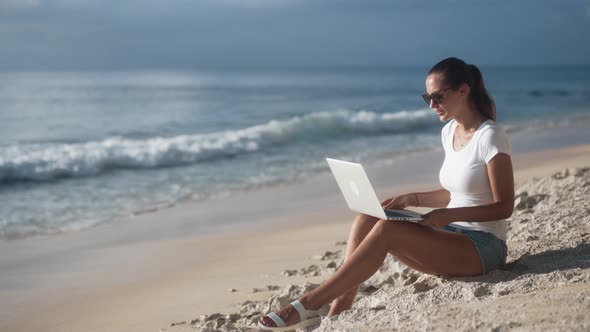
point(304, 316)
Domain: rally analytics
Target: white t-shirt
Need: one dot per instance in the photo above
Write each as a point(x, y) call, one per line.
point(464, 173)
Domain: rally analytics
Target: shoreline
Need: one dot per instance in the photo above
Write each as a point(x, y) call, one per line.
point(532, 136)
point(145, 273)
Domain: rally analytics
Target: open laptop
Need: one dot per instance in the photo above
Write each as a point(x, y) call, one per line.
point(359, 193)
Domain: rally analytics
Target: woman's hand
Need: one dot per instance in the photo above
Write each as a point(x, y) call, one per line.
point(399, 202)
point(437, 218)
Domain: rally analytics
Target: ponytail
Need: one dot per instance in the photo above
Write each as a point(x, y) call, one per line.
point(479, 95)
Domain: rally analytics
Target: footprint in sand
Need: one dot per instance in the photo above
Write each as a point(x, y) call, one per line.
point(423, 286)
point(481, 291)
point(524, 202)
point(564, 173)
point(329, 255)
point(581, 171)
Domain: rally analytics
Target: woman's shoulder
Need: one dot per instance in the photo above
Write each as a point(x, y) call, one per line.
point(493, 139)
point(490, 129)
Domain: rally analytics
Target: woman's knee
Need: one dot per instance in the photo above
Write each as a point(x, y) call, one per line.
point(364, 218)
point(390, 230)
point(383, 227)
point(363, 223)
point(361, 226)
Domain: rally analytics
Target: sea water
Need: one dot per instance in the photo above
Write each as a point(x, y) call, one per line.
point(82, 148)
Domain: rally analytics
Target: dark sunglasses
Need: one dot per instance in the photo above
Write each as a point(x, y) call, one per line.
point(436, 96)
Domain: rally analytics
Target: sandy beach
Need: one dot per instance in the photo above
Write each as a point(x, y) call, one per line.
point(163, 164)
point(543, 287)
point(155, 271)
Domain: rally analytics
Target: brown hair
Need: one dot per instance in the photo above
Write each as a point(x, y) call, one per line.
point(455, 72)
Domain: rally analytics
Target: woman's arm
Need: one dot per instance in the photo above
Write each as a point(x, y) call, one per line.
point(434, 199)
point(437, 198)
point(502, 184)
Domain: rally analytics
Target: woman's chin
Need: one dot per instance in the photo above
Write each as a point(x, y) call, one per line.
point(443, 117)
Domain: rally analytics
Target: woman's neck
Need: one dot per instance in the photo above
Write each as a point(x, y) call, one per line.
point(469, 120)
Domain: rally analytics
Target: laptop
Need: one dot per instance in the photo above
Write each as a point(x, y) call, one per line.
point(359, 193)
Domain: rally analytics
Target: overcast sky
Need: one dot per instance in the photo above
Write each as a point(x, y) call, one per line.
point(160, 34)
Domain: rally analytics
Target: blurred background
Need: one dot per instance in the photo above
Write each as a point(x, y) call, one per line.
point(112, 108)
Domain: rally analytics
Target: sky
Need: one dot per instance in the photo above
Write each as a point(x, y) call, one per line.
point(175, 34)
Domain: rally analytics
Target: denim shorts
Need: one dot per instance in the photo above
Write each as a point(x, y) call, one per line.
point(492, 250)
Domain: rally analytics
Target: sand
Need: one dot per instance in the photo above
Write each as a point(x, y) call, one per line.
point(545, 285)
point(144, 274)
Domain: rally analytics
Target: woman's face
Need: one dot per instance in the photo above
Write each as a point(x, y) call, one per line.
point(444, 100)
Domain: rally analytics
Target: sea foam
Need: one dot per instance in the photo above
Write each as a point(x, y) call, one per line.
point(49, 161)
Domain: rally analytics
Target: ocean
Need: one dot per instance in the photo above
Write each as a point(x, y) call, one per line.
point(78, 149)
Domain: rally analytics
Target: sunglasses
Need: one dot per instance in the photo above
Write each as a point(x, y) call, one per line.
point(436, 96)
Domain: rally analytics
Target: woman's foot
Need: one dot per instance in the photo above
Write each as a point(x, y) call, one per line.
point(338, 306)
point(288, 313)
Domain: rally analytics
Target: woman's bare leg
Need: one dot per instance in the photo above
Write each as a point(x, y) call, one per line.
point(361, 226)
point(442, 253)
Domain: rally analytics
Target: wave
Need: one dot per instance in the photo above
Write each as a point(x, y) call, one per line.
point(549, 93)
point(543, 93)
point(50, 161)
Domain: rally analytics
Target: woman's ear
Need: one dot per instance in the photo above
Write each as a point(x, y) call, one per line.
point(464, 89)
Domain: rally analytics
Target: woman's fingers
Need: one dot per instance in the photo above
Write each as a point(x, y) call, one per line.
point(427, 221)
point(387, 202)
point(398, 202)
point(392, 204)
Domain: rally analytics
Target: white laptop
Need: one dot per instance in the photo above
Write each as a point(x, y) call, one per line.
point(359, 193)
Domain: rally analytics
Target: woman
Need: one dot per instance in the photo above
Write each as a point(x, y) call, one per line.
point(465, 235)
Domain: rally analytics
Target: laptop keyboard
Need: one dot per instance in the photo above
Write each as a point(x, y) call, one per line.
point(395, 214)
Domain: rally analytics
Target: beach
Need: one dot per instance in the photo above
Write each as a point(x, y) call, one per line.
point(156, 271)
point(163, 164)
point(144, 200)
